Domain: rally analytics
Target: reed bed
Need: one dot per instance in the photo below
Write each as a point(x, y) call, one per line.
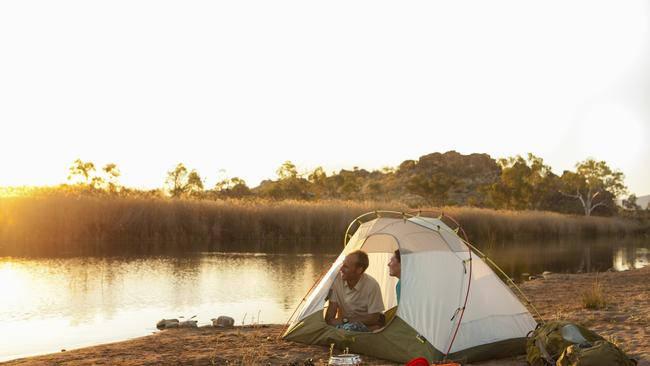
point(495, 225)
point(86, 224)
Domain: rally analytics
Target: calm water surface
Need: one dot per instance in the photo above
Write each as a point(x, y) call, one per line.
point(52, 304)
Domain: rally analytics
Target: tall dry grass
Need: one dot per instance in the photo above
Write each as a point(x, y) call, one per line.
point(485, 224)
point(53, 224)
point(87, 224)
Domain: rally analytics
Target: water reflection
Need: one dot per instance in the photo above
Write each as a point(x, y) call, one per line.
point(67, 303)
point(49, 304)
point(629, 258)
point(573, 256)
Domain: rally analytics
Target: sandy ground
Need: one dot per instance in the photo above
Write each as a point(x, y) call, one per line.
point(625, 321)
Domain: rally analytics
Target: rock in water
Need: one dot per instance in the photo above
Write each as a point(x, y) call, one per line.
point(167, 323)
point(187, 324)
point(223, 322)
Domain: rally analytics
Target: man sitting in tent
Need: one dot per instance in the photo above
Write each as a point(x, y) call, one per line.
point(355, 299)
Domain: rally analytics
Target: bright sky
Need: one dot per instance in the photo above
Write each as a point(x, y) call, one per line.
point(241, 86)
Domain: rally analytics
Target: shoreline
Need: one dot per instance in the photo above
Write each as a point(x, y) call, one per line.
point(625, 321)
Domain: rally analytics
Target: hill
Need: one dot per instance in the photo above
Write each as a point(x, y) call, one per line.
point(437, 178)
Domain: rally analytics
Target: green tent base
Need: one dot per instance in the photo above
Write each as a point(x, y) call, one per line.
point(396, 342)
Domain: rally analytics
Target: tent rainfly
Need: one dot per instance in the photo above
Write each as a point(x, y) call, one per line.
point(452, 304)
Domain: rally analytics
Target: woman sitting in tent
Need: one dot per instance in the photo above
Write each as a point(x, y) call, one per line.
point(395, 270)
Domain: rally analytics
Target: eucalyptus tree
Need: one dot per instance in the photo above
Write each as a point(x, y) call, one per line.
point(593, 184)
point(524, 183)
point(232, 187)
point(181, 181)
point(112, 174)
point(81, 170)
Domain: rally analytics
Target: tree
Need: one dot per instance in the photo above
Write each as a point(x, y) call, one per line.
point(630, 203)
point(375, 190)
point(97, 182)
point(433, 188)
point(523, 183)
point(290, 184)
point(112, 173)
point(347, 184)
point(287, 170)
point(233, 187)
point(318, 176)
point(194, 183)
point(176, 180)
point(239, 187)
point(182, 182)
point(594, 184)
point(222, 185)
point(81, 170)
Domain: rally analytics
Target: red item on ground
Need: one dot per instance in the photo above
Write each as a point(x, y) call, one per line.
point(420, 361)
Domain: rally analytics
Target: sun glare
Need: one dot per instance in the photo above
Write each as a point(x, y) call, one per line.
point(14, 191)
point(24, 191)
point(10, 280)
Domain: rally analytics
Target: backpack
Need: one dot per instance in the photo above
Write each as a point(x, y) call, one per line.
point(600, 353)
point(547, 342)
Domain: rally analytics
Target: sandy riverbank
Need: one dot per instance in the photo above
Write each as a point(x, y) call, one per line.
point(625, 321)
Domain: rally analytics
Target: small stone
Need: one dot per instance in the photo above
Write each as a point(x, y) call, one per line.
point(187, 324)
point(223, 322)
point(167, 323)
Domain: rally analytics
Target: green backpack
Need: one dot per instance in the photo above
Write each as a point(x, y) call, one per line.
point(547, 342)
point(601, 353)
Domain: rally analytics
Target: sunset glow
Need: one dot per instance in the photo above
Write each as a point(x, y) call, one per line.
point(168, 164)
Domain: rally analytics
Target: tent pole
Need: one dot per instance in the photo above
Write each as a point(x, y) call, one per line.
point(462, 311)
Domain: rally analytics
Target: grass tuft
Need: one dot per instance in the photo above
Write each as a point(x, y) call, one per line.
point(594, 298)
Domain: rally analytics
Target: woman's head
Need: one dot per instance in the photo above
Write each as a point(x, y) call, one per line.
point(395, 265)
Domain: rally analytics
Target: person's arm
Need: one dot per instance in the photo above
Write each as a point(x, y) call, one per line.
point(369, 319)
point(330, 315)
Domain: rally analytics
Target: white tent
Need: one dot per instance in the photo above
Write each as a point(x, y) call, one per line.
point(443, 309)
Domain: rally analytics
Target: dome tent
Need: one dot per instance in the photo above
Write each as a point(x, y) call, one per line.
point(452, 304)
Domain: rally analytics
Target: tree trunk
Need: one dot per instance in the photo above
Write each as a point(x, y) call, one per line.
point(587, 203)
